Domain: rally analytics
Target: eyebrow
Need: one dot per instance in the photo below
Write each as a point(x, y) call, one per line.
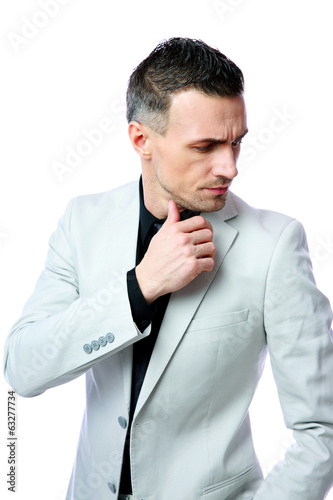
point(212, 140)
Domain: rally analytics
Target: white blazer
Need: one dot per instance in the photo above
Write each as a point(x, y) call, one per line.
point(191, 436)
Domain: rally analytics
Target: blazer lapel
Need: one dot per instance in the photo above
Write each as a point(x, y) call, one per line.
point(184, 303)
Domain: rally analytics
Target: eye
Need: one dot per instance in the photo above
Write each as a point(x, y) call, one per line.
point(235, 144)
point(203, 149)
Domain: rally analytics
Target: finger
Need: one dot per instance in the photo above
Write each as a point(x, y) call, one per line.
point(204, 250)
point(194, 224)
point(205, 264)
point(201, 236)
point(173, 214)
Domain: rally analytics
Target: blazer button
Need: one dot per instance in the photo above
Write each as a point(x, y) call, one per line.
point(87, 348)
point(122, 422)
point(112, 487)
point(110, 337)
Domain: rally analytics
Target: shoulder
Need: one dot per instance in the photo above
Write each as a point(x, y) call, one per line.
point(113, 202)
point(95, 212)
point(117, 198)
point(257, 217)
point(265, 227)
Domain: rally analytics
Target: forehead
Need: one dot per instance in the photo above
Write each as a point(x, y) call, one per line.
point(192, 111)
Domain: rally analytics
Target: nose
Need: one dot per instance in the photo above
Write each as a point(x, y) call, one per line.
point(224, 162)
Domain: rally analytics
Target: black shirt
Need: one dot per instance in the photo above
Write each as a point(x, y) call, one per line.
point(143, 315)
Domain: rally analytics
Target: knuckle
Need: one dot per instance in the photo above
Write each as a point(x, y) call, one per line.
point(208, 234)
point(206, 223)
point(190, 263)
point(211, 265)
point(182, 239)
point(193, 267)
point(200, 219)
point(213, 247)
point(210, 248)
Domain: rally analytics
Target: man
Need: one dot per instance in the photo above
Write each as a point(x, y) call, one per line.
point(166, 293)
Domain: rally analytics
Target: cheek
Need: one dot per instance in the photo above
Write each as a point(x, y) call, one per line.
point(177, 167)
point(173, 161)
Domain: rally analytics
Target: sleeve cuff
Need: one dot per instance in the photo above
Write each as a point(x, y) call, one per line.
point(141, 312)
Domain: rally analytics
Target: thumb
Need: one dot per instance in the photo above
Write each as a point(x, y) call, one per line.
point(173, 213)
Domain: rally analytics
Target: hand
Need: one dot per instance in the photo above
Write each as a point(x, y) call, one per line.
point(177, 254)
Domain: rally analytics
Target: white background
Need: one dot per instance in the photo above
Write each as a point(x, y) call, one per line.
point(69, 71)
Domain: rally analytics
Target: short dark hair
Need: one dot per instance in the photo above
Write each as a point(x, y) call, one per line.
point(178, 63)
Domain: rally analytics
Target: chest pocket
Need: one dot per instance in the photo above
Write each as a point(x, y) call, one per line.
point(214, 328)
point(219, 321)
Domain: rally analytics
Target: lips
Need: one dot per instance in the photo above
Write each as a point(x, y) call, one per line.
point(218, 190)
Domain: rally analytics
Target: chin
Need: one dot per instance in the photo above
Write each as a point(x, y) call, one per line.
point(216, 208)
point(204, 205)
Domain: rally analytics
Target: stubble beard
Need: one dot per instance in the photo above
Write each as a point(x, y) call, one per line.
point(199, 201)
point(199, 204)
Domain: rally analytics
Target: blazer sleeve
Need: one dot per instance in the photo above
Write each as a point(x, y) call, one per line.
point(60, 335)
point(298, 320)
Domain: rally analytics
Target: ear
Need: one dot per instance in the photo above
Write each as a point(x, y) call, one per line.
point(138, 135)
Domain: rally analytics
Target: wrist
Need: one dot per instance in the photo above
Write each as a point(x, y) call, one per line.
point(148, 289)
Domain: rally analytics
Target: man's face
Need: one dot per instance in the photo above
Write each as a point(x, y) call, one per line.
point(194, 163)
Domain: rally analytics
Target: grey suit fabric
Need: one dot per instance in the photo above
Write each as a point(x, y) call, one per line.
point(191, 434)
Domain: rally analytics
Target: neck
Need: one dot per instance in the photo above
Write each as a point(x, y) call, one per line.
point(154, 202)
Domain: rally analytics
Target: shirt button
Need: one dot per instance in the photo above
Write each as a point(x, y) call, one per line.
point(95, 345)
point(112, 487)
point(110, 337)
point(87, 348)
point(122, 422)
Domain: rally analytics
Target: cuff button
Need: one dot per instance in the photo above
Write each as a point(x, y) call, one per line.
point(102, 341)
point(95, 345)
point(110, 337)
point(87, 348)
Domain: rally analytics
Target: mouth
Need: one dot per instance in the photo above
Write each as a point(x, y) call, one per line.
point(218, 190)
